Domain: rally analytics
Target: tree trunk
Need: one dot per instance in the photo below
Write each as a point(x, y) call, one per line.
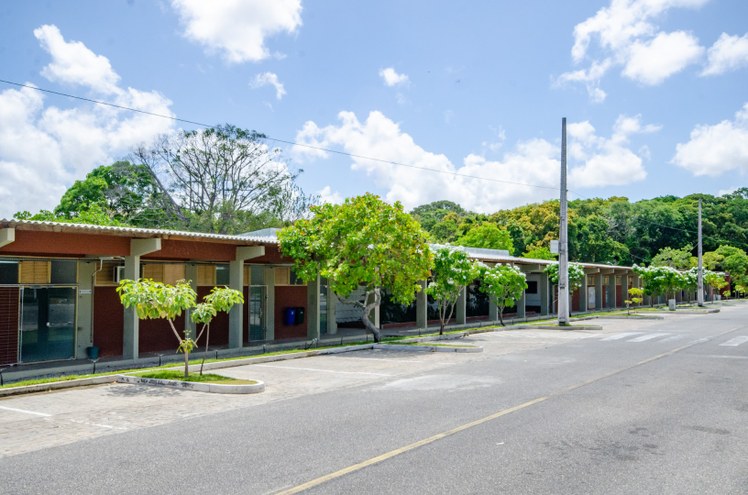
point(501, 316)
point(368, 307)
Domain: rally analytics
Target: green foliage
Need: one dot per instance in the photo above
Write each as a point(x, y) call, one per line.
point(453, 271)
point(679, 259)
point(504, 285)
point(156, 300)
point(487, 235)
point(226, 179)
point(576, 274)
point(663, 280)
point(635, 298)
point(362, 242)
point(539, 253)
point(612, 230)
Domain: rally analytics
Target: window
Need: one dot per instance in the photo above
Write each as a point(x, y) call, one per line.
point(8, 272)
point(532, 287)
point(64, 271)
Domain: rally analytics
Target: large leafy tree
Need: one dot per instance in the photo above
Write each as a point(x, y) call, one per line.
point(680, 259)
point(487, 235)
point(119, 194)
point(504, 285)
point(226, 179)
point(363, 242)
point(453, 271)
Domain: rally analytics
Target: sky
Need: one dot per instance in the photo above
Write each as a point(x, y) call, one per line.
point(416, 101)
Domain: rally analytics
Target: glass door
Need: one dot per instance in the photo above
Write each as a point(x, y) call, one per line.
point(47, 323)
point(256, 312)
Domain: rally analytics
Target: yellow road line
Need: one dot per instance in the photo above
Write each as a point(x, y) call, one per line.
point(407, 448)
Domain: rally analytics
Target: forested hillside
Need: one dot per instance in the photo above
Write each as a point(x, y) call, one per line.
point(612, 230)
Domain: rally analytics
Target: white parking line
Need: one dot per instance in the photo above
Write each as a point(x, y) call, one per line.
point(620, 336)
point(735, 341)
point(648, 336)
point(320, 370)
point(24, 411)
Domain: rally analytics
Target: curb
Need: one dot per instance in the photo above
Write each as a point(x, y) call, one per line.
point(557, 327)
point(214, 388)
point(427, 348)
point(46, 387)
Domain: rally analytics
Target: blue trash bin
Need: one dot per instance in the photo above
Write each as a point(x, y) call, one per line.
point(289, 316)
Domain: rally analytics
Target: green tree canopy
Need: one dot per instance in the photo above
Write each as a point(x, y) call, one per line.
point(504, 285)
point(363, 242)
point(487, 235)
point(453, 271)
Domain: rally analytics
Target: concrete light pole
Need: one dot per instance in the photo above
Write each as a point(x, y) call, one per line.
point(563, 244)
point(700, 282)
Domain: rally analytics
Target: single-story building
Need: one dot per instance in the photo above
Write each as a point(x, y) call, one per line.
point(58, 298)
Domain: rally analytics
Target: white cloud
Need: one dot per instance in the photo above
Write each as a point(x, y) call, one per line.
point(528, 172)
point(269, 79)
point(238, 28)
point(716, 149)
point(726, 54)
point(73, 63)
point(625, 35)
point(606, 161)
point(392, 78)
point(327, 195)
point(44, 149)
point(653, 61)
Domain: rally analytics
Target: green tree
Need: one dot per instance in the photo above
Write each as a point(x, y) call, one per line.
point(575, 274)
point(156, 300)
point(486, 235)
point(540, 253)
point(635, 298)
point(504, 285)
point(224, 178)
point(453, 271)
point(363, 242)
point(220, 299)
point(680, 259)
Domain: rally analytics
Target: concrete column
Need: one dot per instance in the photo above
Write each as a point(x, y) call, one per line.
point(422, 312)
point(612, 290)
point(599, 291)
point(236, 282)
point(7, 236)
point(269, 275)
point(332, 304)
point(543, 288)
point(312, 309)
point(131, 324)
point(624, 287)
point(521, 306)
point(493, 311)
point(583, 294)
point(84, 331)
point(461, 307)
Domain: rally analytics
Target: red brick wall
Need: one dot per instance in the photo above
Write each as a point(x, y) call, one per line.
point(8, 325)
point(290, 296)
point(108, 321)
point(219, 327)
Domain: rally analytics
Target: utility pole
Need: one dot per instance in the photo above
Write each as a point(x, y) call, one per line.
point(700, 279)
point(563, 244)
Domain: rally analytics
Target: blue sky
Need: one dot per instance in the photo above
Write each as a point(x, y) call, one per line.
point(454, 100)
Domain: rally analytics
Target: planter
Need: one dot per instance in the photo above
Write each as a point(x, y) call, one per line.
point(671, 304)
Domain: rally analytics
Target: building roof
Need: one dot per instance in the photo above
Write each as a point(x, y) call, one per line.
point(46, 226)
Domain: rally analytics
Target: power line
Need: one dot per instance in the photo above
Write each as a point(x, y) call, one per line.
point(315, 148)
point(270, 138)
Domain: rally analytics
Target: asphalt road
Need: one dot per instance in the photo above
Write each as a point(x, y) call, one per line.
point(643, 406)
